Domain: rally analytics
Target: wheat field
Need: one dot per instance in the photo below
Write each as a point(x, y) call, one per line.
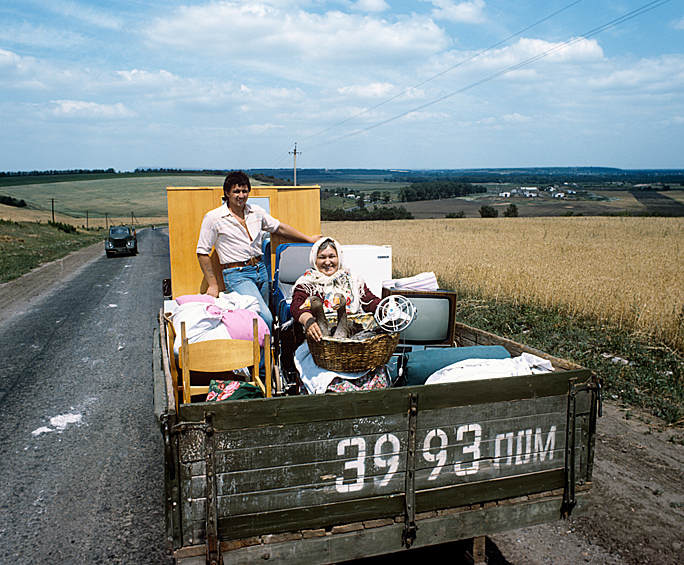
point(619, 270)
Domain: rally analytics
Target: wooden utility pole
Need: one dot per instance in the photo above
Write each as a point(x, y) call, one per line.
point(295, 162)
point(53, 209)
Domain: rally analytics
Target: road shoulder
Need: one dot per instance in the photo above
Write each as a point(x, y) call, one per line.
point(19, 295)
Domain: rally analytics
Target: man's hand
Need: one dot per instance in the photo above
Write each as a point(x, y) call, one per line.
point(212, 291)
point(208, 271)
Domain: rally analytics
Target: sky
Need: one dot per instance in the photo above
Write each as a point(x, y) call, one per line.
point(381, 84)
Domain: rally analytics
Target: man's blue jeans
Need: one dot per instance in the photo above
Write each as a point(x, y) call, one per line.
point(252, 281)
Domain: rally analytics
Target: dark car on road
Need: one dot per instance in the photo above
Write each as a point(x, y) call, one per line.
point(121, 239)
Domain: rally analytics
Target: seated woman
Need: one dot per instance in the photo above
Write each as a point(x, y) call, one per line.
point(327, 278)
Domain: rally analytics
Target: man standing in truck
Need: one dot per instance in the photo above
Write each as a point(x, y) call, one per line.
point(236, 229)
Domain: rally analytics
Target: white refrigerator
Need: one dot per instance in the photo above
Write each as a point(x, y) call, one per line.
point(372, 262)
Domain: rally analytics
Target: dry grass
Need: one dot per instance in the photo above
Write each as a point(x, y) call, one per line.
point(12, 213)
point(624, 271)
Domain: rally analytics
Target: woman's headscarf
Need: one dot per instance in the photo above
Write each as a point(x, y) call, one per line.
point(342, 281)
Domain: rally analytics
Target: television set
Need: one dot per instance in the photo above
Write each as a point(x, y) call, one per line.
point(434, 324)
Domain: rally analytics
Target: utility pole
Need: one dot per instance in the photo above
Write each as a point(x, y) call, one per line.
point(295, 162)
point(53, 209)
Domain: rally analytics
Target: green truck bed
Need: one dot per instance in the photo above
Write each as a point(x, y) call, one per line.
point(329, 478)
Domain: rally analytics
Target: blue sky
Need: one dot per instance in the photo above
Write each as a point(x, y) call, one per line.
point(357, 84)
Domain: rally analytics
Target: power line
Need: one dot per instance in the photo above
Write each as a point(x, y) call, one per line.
point(279, 160)
point(460, 63)
point(613, 23)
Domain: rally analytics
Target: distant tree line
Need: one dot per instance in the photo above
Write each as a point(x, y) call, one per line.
point(272, 179)
point(165, 171)
point(362, 214)
point(52, 172)
point(544, 175)
point(111, 171)
point(10, 201)
point(434, 190)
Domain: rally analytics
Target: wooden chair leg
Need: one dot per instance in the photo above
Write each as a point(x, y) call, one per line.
point(267, 365)
point(256, 356)
point(184, 354)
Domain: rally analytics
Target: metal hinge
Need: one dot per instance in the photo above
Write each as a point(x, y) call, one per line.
point(167, 432)
point(214, 556)
point(410, 530)
point(569, 498)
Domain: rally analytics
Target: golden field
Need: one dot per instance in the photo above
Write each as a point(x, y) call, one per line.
point(620, 270)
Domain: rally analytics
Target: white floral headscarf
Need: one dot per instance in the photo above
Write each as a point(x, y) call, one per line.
point(341, 281)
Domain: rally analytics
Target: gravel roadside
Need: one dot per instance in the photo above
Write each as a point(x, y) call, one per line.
point(20, 294)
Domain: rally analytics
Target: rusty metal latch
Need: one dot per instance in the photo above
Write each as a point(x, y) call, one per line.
point(166, 431)
point(185, 426)
point(410, 530)
point(214, 556)
point(569, 498)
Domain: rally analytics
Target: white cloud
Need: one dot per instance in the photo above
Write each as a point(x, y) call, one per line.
point(93, 16)
point(578, 50)
point(373, 90)
point(82, 109)
point(515, 118)
point(147, 78)
point(259, 129)
point(296, 44)
point(371, 5)
point(471, 12)
point(9, 59)
point(662, 76)
point(266, 72)
point(442, 117)
point(27, 33)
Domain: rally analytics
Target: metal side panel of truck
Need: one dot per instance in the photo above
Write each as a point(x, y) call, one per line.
point(329, 478)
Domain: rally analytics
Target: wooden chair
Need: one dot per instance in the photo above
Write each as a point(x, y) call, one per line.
point(173, 366)
point(221, 355)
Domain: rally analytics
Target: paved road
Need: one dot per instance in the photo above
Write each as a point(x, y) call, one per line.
point(80, 452)
point(81, 459)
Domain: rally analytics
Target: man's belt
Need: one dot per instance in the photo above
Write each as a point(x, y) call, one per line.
point(249, 263)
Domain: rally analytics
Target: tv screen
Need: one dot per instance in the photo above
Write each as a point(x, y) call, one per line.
point(435, 317)
point(431, 324)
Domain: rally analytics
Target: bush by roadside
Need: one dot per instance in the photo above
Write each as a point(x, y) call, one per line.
point(27, 245)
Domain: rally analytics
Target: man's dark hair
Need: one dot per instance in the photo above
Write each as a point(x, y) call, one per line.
point(235, 178)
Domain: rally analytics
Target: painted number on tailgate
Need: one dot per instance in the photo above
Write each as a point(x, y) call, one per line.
point(383, 458)
point(511, 448)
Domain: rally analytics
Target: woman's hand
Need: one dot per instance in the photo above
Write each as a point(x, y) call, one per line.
point(312, 329)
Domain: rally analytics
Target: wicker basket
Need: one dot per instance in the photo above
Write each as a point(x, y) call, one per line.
point(349, 356)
